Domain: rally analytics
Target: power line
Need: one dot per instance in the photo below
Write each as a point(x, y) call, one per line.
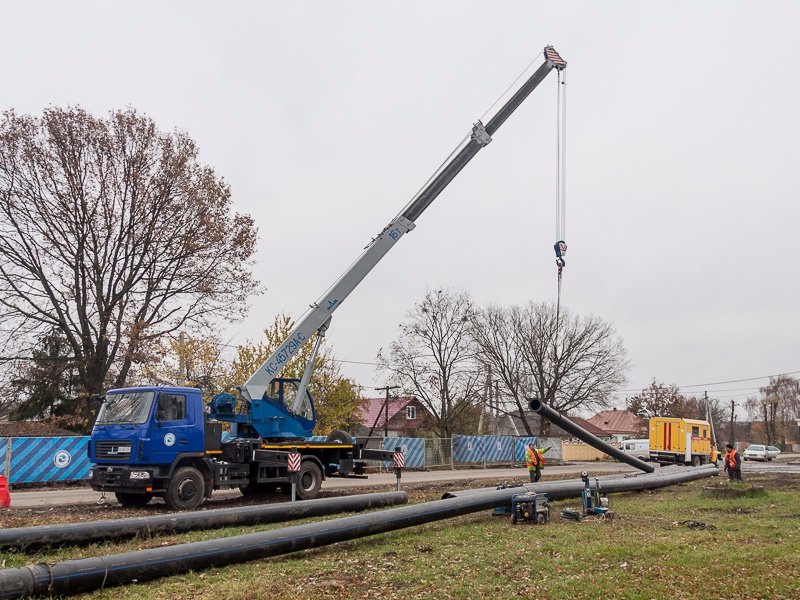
point(705, 385)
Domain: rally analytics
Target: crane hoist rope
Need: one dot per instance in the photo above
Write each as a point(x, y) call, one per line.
point(560, 246)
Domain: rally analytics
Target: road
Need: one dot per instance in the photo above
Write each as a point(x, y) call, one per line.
point(64, 496)
point(69, 496)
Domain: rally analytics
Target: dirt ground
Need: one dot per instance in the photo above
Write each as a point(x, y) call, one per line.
point(27, 517)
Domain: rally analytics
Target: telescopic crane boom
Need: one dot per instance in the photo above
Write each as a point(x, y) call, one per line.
point(318, 318)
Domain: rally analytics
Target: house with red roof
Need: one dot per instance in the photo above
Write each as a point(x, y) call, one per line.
point(403, 416)
point(619, 424)
point(13, 429)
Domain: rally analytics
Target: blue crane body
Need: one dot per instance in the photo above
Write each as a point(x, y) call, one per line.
point(166, 442)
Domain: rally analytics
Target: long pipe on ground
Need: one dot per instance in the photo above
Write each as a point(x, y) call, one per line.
point(554, 488)
point(74, 576)
point(579, 432)
point(26, 538)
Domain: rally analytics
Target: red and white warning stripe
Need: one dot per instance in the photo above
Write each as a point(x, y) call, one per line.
point(294, 462)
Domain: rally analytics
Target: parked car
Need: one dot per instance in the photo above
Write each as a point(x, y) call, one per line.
point(772, 452)
point(638, 448)
point(755, 452)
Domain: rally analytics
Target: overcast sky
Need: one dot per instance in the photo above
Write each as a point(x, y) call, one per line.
point(326, 117)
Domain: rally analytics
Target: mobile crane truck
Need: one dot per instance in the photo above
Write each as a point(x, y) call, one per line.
point(164, 442)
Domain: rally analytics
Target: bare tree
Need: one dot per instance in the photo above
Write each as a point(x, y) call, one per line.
point(495, 334)
point(434, 358)
point(113, 234)
point(777, 406)
point(571, 362)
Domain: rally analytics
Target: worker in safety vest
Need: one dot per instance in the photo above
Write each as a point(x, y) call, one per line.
point(733, 463)
point(534, 461)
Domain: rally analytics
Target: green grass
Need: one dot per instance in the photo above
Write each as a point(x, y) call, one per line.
point(749, 548)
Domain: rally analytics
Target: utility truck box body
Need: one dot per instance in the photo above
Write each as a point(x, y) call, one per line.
point(675, 440)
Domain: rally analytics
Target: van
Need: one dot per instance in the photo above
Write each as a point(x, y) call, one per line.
point(638, 448)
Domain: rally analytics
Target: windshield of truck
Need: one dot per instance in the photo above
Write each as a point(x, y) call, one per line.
point(127, 407)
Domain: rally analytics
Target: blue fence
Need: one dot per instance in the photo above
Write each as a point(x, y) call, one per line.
point(413, 450)
point(38, 459)
point(32, 460)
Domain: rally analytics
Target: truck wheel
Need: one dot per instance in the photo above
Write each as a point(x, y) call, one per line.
point(340, 437)
point(186, 489)
point(309, 480)
point(695, 460)
point(133, 500)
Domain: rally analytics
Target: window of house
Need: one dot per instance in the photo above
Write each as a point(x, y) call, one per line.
point(411, 413)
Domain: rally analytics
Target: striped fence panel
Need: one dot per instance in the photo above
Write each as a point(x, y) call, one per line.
point(468, 448)
point(498, 448)
point(413, 448)
point(39, 459)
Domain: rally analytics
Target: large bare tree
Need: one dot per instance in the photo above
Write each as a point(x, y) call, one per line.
point(113, 234)
point(569, 362)
point(434, 358)
point(495, 334)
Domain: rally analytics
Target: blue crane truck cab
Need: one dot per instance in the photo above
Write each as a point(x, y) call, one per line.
point(164, 442)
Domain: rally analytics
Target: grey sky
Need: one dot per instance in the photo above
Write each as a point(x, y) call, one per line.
point(682, 160)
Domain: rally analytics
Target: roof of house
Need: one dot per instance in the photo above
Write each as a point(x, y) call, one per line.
point(618, 421)
point(32, 429)
point(588, 426)
point(373, 411)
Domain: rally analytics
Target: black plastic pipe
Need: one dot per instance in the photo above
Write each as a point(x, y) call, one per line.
point(74, 576)
point(579, 432)
point(27, 538)
point(571, 488)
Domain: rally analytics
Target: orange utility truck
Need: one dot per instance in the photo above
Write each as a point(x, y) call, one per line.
point(682, 441)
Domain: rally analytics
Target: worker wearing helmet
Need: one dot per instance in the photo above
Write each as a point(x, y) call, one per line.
point(733, 463)
point(534, 461)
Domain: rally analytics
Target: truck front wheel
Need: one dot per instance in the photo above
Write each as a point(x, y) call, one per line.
point(309, 480)
point(186, 489)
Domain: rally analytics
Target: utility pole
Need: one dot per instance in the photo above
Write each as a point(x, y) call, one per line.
point(385, 407)
point(496, 407)
point(709, 419)
point(733, 415)
point(486, 406)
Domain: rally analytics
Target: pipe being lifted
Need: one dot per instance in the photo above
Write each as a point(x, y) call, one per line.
point(579, 432)
point(74, 576)
point(26, 538)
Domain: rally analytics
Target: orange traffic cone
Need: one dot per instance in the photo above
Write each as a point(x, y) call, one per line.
point(5, 496)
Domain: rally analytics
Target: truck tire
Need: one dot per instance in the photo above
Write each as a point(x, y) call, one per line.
point(133, 500)
point(185, 490)
point(340, 437)
point(695, 460)
point(309, 480)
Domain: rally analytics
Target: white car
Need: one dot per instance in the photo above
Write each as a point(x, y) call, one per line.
point(756, 452)
point(772, 452)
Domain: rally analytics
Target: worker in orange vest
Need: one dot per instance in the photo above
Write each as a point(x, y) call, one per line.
point(534, 461)
point(733, 463)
